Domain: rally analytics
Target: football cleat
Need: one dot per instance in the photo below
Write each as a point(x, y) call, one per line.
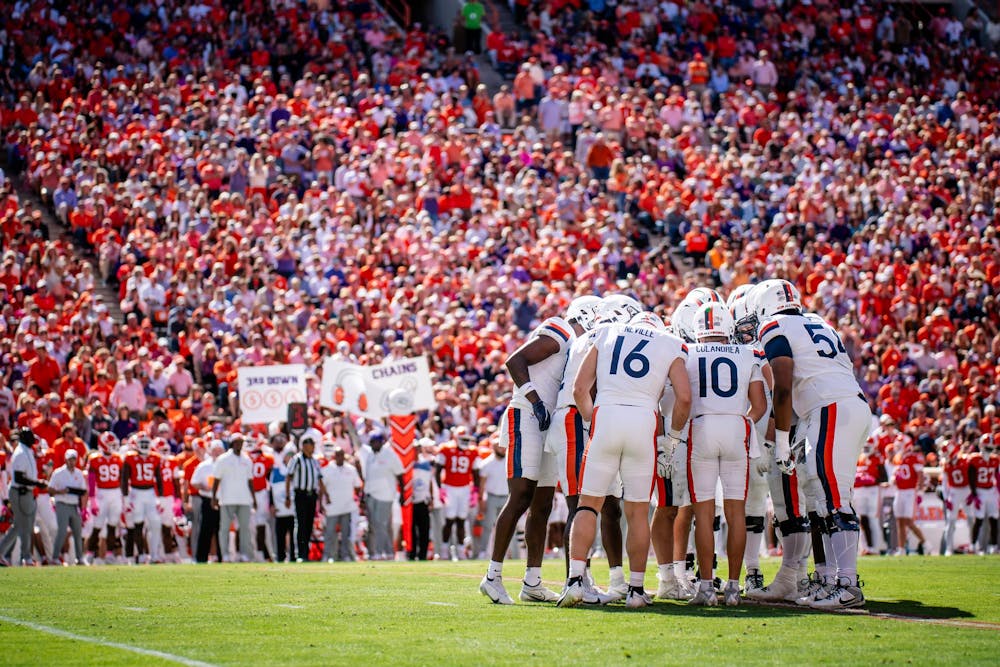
point(841, 596)
point(537, 593)
point(685, 589)
point(593, 595)
point(812, 588)
point(784, 588)
point(753, 581)
point(731, 594)
point(618, 590)
point(704, 597)
point(572, 595)
point(636, 598)
point(669, 588)
point(494, 590)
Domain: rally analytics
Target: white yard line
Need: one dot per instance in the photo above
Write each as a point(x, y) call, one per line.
point(101, 642)
point(290, 606)
point(442, 604)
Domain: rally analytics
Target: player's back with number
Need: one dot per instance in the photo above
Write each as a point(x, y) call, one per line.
point(633, 364)
point(822, 371)
point(457, 465)
point(720, 375)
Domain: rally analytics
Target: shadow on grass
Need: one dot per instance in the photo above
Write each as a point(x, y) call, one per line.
point(915, 608)
point(907, 608)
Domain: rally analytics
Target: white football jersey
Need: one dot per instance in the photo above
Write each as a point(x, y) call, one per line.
point(633, 364)
point(547, 374)
point(823, 372)
point(574, 359)
point(721, 374)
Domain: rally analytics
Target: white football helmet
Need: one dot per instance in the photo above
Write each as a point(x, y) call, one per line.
point(618, 308)
point(738, 294)
point(744, 315)
point(107, 442)
point(774, 296)
point(584, 310)
point(703, 295)
point(649, 321)
point(713, 319)
point(143, 444)
point(160, 445)
point(682, 321)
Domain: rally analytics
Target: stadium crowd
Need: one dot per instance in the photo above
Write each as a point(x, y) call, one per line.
point(279, 182)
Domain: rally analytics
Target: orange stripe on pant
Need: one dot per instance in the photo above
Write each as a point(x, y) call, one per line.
point(690, 448)
point(569, 423)
point(511, 442)
point(656, 478)
point(746, 445)
point(831, 427)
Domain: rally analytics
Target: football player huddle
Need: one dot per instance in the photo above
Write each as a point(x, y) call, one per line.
point(733, 402)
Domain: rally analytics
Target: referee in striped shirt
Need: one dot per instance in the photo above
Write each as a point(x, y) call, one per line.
point(304, 478)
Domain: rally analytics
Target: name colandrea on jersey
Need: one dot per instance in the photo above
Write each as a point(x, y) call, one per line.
point(646, 333)
point(718, 347)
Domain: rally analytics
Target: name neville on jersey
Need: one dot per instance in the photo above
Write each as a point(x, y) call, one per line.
point(645, 333)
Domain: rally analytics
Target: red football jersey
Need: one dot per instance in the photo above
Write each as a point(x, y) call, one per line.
point(907, 473)
point(107, 470)
point(168, 470)
point(869, 469)
point(457, 465)
point(262, 465)
point(142, 469)
point(986, 470)
point(956, 472)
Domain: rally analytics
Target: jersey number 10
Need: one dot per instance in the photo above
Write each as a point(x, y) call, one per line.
point(715, 370)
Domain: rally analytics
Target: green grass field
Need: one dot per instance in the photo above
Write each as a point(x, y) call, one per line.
point(433, 614)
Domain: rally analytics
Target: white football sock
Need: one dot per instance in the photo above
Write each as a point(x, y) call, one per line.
point(617, 576)
point(751, 555)
point(636, 579)
point(576, 568)
point(533, 575)
point(666, 571)
point(680, 568)
point(845, 542)
point(495, 570)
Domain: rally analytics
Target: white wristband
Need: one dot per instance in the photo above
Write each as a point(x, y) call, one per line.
point(528, 387)
point(781, 439)
point(676, 433)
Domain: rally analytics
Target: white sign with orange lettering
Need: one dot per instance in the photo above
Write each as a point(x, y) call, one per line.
point(266, 391)
point(398, 387)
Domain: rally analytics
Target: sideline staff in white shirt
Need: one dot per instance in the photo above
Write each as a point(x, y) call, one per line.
point(69, 490)
point(339, 484)
point(232, 495)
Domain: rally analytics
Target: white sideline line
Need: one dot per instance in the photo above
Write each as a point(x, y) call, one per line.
point(290, 606)
point(442, 604)
point(101, 642)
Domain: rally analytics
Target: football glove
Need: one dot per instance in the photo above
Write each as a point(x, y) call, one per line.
point(974, 500)
point(762, 464)
point(783, 453)
point(542, 415)
point(664, 457)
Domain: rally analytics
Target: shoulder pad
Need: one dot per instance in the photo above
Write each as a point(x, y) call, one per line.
point(556, 327)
